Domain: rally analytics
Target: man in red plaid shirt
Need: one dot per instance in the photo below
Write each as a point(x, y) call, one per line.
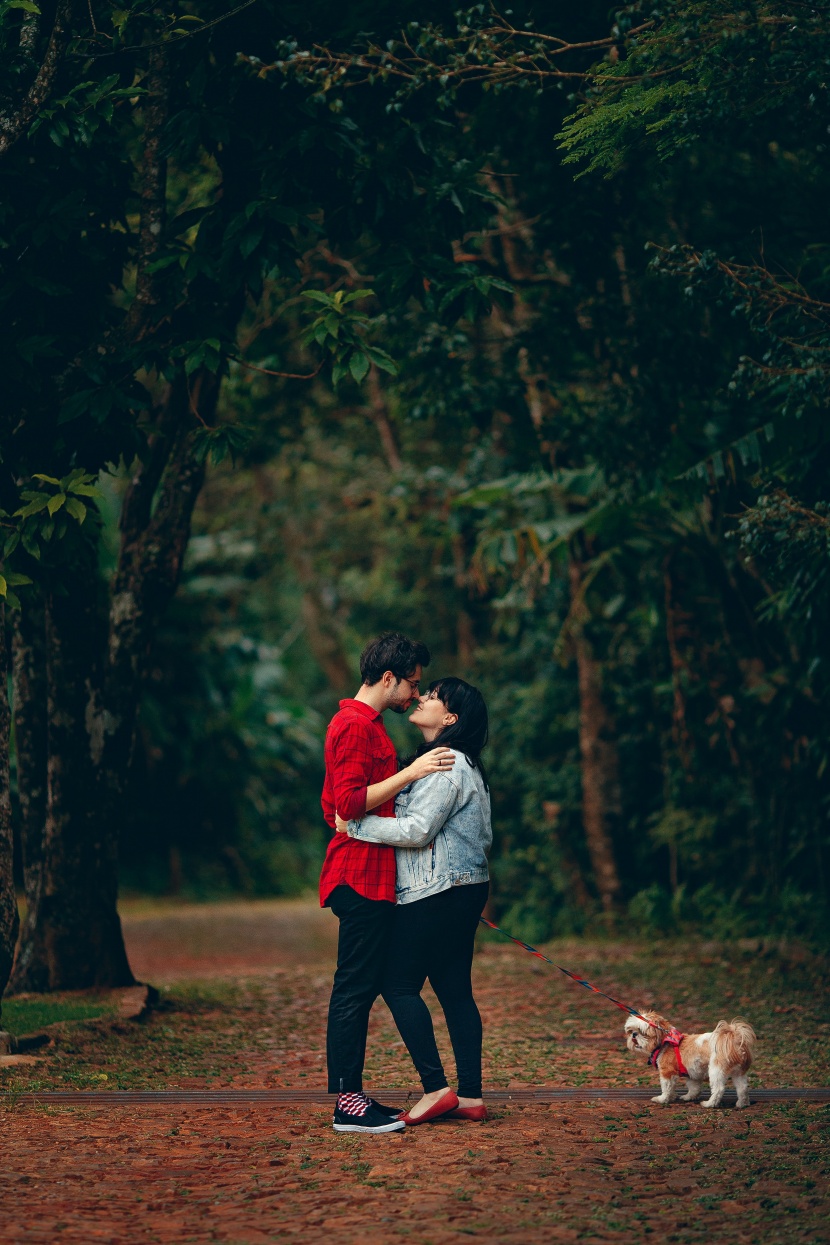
point(358, 879)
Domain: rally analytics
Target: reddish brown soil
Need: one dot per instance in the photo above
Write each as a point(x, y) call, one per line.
point(598, 1171)
point(531, 1175)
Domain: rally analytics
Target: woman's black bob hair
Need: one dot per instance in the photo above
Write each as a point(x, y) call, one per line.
point(469, 734)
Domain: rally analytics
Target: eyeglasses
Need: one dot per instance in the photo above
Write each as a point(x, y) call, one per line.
point(414, 684)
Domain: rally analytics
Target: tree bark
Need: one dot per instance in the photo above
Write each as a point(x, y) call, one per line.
point(73, 940)
point(30, 729)
point(380, 414)
point(324, 641)
point(320, 625)
point(598, 751)
point(154, 541)
point(464, 631)
point(141, 317)
point(16, 122)
point(675, 628)
point(579, 893)
point(96, 661)
point(8, 899)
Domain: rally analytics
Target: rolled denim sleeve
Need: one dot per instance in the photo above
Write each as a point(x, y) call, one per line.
point(429, 806)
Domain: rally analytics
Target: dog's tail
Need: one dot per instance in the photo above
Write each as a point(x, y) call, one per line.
point(733, 1044)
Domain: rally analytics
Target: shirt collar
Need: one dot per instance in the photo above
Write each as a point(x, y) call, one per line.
point(362, 708)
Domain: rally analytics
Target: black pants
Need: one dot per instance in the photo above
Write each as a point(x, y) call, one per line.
point(433, 938)
point(361, 949)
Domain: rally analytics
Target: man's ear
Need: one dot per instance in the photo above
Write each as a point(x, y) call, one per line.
point(388, 678)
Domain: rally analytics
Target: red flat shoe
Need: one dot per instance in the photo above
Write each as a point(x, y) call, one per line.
point(446, 1103)
point(479, 1114)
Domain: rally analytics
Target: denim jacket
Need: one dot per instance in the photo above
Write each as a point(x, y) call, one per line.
point(441, 830)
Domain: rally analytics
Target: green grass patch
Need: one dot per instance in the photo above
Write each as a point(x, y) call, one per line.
point(201, 1030)
point(29, 1015)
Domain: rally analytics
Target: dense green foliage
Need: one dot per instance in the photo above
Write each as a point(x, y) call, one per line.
point(611, 408)
point(603, 435)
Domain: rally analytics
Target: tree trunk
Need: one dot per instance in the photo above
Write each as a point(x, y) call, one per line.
point(16, 120)
point(324, 642)
point(380, 414)
point(322, 632)
point(8, 899)
point(578, 891)
point(73, 940)
point(155, 529)
point(97, 660)
point(464, 632)
point(96, 664)
point(30, 730)
point(598, 751)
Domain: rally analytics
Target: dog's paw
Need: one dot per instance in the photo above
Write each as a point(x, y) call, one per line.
point(663, 1101)
point(739, 1104)
point(707, 1102)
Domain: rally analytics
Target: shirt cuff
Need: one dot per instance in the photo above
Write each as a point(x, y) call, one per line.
point(354, 828)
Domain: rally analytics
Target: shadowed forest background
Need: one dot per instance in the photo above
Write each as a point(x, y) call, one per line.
point(509, 332)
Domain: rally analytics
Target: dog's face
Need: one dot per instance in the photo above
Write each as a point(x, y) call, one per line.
point(641, 1036)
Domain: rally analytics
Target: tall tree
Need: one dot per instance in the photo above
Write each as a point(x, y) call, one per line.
point(8, 898)
point(598, 749)
point(31, 756)
point(198, 217)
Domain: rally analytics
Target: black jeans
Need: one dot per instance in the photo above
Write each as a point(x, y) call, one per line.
point(364, 935)
point(433, 938)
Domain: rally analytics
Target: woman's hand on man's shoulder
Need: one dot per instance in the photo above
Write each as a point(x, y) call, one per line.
point(436, 761)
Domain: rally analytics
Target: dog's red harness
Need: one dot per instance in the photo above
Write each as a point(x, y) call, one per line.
point(673, 1038)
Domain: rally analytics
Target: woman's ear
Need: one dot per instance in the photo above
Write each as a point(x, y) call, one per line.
point(450, 719)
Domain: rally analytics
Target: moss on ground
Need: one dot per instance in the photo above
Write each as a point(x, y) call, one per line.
point(29, 1014)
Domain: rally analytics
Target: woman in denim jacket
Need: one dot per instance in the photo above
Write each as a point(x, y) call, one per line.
point(442, 833)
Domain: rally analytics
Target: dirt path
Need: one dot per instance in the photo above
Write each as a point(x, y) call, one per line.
point(166, 943)
point(589, 1171)
point(531, 1175)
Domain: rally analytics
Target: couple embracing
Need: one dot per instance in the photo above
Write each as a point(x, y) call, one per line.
point(406, 875)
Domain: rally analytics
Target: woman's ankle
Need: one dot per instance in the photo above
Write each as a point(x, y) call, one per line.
point(428, 1100)
point(433, 1095)
point(470, 1102)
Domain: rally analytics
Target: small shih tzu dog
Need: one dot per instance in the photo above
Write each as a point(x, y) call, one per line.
point(725, 1052)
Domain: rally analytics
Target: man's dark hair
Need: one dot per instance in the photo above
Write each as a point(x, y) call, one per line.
point(394, 652)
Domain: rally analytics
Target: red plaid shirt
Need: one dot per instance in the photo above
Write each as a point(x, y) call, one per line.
point(359, 753)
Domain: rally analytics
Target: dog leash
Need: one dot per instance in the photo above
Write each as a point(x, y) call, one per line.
point(580, 981)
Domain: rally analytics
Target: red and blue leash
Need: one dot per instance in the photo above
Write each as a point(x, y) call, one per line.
point(580, 981)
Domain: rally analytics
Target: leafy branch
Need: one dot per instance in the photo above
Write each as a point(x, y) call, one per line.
point(42, 505)
point(698, 68)
point(486, 48)
point(341, 332)
point(16, 120)
point(43, 517)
